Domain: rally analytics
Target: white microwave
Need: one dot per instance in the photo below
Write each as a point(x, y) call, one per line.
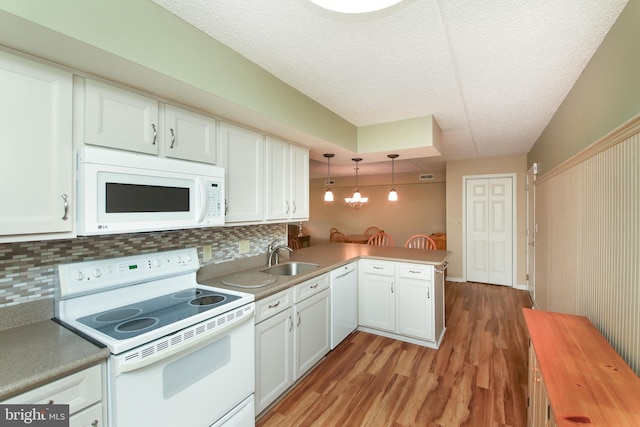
point(124, 192)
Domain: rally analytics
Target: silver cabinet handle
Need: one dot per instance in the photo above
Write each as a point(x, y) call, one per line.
point(391, 287)
point(155, 134)
point(314, 286)
point(65, 215)
point(287, 211)
point(94, 423)
point(274, 305)
point(226, 207)
point(298, 324)
point(414, 272)
point(173, 138)
point(294, 206)
point(428, 293)
point(291, 320)
point(375, 267)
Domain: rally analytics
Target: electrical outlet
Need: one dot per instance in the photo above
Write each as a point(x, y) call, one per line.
point(243, 246)
point(207, 253)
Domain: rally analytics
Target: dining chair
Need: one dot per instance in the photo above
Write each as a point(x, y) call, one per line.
point(294, 243)
point(420, 241)
point(337, 236)
point(371, 231)
point(381, 239)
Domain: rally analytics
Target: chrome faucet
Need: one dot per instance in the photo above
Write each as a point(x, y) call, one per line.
point(272, 250)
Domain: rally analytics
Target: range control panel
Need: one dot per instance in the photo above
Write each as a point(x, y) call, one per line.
point(98, 275)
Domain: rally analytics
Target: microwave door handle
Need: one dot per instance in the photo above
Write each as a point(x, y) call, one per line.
point(203, 200)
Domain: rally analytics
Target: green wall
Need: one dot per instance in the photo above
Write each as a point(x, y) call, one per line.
point(606, 95)
point(157, 48)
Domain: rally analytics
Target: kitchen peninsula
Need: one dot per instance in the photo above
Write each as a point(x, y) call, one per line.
point(339, 287)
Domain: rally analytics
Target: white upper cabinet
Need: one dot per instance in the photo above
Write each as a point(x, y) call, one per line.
point(36, 173)
point(278, 200)
point(299, 182)
point(117, 118)
point(242, 156)
point(287, 181)
point(189, 136)
point(121, 119)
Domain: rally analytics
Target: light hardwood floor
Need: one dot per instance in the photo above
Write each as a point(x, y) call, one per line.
point(477, 378)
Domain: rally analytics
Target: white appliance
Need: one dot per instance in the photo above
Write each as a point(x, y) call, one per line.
point(124, 192)
point(344, 302)
point(181, 353)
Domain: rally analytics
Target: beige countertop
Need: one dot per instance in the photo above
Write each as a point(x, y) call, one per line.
point(35, 354)
point(328, 256)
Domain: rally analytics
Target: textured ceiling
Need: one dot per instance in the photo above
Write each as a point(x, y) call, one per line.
point(491, 72)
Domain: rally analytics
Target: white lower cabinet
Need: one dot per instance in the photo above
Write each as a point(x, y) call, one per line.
point(82, 391)
point(274, 351)
point(292, 335)
point(377, 295)
point(402, 300)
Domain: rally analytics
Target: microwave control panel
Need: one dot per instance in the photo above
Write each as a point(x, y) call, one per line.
point(215, 200)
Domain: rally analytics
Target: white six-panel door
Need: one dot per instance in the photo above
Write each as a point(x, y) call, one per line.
point(489, 230)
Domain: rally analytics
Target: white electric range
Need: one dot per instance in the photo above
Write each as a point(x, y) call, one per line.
point(181, 352)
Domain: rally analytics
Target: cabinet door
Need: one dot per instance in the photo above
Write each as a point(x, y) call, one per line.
point(415, 308)
point(415, 300)
point(189, 136)
point(242, 156)
point(279, 203)
point(36, 173)
point(274, 358)
point(312, 338)
point(120, 119)
point(377, 302)
point(299, 183)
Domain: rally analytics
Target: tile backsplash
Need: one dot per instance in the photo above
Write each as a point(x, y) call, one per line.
point(27, 268)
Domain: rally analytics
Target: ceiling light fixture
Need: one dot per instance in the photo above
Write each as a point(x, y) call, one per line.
point(355, 6)
point(328, 195)
point(393, 194)
point(356, 201)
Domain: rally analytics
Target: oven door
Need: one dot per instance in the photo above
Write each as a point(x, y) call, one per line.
point(195, 387)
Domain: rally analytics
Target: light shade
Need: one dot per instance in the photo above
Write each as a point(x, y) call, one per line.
point(328, 195)
point(355, 6)
point(393, 194)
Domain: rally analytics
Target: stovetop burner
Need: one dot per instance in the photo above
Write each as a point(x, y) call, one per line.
point(135, 319)
point(207, 300)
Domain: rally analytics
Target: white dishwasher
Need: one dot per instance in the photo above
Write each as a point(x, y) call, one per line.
point(344, 302)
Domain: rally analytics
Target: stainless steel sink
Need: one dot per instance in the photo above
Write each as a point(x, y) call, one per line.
point(290, 268)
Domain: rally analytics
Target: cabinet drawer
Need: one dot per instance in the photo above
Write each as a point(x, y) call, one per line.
point(90, 417)
point(273, 304)
point(311, 287)
point(78, 390)
point(378, 267)
point(415, 271)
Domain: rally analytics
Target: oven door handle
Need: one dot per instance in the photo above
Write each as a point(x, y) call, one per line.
point(188, 338)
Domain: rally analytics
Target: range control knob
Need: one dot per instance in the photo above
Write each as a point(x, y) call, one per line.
point(187, 258)
point(155, 262)
point(97, 272)
point(178, 259)
point(78, 275)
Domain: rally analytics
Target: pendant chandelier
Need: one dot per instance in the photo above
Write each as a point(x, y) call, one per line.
point(356, 201)
point(328, 195)
point(393, 194)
